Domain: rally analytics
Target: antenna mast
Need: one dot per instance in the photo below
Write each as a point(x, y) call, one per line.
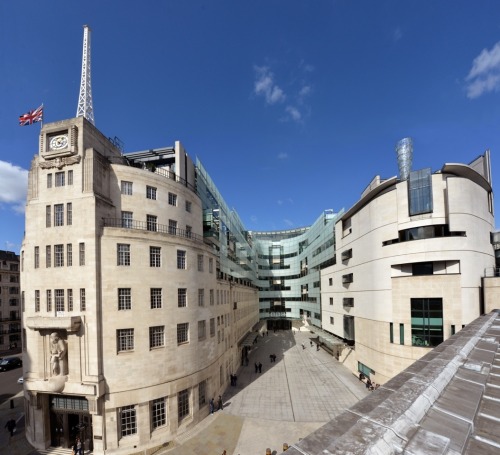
point(85, 108)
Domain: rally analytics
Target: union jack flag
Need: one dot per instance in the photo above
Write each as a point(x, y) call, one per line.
point(31, 117)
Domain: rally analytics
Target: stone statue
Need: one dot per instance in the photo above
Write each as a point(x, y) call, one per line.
point(58, 352)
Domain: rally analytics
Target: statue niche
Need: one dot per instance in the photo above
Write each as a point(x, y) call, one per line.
point(58, 355)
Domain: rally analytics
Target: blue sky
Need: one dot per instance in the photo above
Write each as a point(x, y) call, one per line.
point(292, 106)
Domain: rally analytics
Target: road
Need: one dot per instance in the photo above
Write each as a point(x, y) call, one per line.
point(8, 382)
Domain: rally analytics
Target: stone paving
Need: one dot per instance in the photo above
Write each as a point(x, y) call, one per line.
point(289, 399)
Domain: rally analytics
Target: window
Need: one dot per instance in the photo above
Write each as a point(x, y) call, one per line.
point(426, 322)
point(346, 255)
point(422, 268)
point(126, 188)
point(181, 259)
point(183, 404)
point(200, 263)
point(154, 256)
point(123, 254)
point(83, 300)
point(210, 265)
point(37, 301)
point(59, 179)
point(172, 227)
point(58, 255)
point(330, 281)
point(202, 330)
point(70, 299)
point(151, 222)
point(401, 334)
point(212, 327)
point(49, 300)
point(82, 253)
point(189, 231)
point(420, 192)
point(156, 336)
point(37, 257)
point(49, 180)
point(348, 302)
point(188, 206)
point(181, 297)
point(69, 213)
point(69, 254)
point(156, 297)
point(172, 199)
point(59, 215)
point(391, 332)
point(128, 420)
point(48, 256)
point(158, 412)
point(331, 300)
point(127, 219)
point(202, 393)
point(59, 299)
point(183, 333)
point(124, 299)
point(70, 177)
point(48, 216)
point(151, 192)
point(201, 297)
point(348, 278)
point(125, 340)
point(211, 297)
point(331, 320)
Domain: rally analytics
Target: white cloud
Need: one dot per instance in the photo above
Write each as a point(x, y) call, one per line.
point(13, 186)
point(397, 34)
point(265, 86)
point(279, 202)
point(484, 75)
point(282, 156)
point(304, 91)
point(293, 113)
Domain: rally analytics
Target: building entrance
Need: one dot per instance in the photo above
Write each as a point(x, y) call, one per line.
point(279, 324)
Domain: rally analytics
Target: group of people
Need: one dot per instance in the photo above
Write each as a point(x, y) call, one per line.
point(272, 357)
point(212, 405)
point(368, 383)
point(234, 378)
point(258, 367)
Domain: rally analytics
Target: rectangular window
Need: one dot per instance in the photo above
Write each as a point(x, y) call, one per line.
point(427, 322)
point(37, 257)
point(391, 332)
point(420, 192)
point(183, 333)
point(150, 192)
point(82, 253)
point(69, 254)
point(151, 222)
point(452, 332)
point(127, 219)
point(59, 299)
point(401, 334)
point(123, 254)
point(156, 297)
point(124, 299)
point(188, 206)
point(210, 265)
point(202, 393)
point(58, 255)
point(70, 299)
point(70, 177)
point(181, 297)
point(422, 268)
point(59, 215)
point(189, 231)
point(211, 297)
point(48, 216)
point(128, 420)
point(330, 281)
point(49, 300)
point(331, 300)
point(181, 259)
point(49, 180)
point(37, 301)
point(212, 327)
point(331, 320)
point(48, 256)
point(126, 188)
point(154, 256)
point(200, 263)
point(69, 213)
point(183, 404)
point(202, 330)
point(172, 227)
point(156, 337)
point(172, 199)
point(125, 340)
point(59, 179)
point(83, 300)
point(158, 412)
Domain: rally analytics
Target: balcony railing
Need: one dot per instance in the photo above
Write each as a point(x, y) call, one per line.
point(148, 226)
point(492, 272)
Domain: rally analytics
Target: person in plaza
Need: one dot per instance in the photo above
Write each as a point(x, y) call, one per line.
point(220, 406)
point(211, 405)
point(260, 367)
point(256, 367)
point(11, 426)
point(77, 447)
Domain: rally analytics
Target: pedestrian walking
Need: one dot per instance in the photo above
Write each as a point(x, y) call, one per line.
point(220, 405)
point(260, 367)
point(78, 447)
point(256, 367)
point(11, 426)
point(303, 347)
point(211, 405)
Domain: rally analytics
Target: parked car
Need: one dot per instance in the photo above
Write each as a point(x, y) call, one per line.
point(10, 363)
point(20, 380)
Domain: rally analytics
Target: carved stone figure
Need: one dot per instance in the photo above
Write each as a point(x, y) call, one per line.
point(58, 352)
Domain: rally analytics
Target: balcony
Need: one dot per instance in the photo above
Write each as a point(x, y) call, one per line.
point(348, 302)
point(346, 255)
point(348, 278)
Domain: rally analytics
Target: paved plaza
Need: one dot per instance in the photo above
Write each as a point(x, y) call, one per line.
point(293, 396)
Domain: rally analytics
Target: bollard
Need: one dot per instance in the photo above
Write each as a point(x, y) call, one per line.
point(285, 447)
point(11, 404)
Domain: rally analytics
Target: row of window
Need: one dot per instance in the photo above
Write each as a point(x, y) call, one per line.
point(12, 290)
point(59, 255)
point(11, 279)
point(62, 299)
point(60, 179)
point(58, 213)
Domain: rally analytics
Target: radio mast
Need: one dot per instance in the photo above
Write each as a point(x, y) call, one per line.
point(85, 108)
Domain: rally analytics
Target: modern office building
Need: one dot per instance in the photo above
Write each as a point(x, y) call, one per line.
point(411, 257)
point(138, 292)
point(10, 301)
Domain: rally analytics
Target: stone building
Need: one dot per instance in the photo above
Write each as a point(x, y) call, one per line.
point(10, 301)
point(133, 318)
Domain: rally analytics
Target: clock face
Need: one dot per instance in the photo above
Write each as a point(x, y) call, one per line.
point(58, 142)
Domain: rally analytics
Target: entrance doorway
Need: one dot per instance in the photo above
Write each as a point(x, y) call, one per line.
point(279, 324)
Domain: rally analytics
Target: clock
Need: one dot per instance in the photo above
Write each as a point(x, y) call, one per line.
point(58, 142)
